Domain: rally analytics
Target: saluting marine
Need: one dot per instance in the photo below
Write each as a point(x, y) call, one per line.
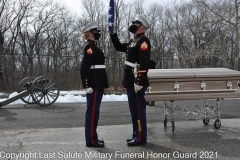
point(135, 77)
point(94, 80)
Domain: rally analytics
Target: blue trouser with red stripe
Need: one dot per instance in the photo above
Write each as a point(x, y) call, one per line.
point(137, 106)
point(92, 115)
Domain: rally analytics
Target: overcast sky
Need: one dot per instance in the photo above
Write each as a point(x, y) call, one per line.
point(74, 5)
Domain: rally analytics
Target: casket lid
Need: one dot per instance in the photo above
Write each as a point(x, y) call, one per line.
point(192, 73)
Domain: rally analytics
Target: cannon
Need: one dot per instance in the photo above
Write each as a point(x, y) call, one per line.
point(42, 90)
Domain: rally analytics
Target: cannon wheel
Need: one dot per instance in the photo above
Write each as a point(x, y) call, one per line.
point(27, 99)
point(45, 93)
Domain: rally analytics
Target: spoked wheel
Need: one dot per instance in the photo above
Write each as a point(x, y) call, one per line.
point(24, 85)
point(45, 90)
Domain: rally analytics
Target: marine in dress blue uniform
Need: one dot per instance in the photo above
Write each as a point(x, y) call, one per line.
point(94, 80)
point(135, 78)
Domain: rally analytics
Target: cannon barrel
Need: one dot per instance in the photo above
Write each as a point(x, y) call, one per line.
point(42, 81)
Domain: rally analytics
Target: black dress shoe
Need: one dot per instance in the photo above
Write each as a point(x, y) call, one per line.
point(128, 140)
point(98, 144)
point(134, 143)
point(101, 141)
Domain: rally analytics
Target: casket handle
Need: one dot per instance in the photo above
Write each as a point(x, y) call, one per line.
point(149, 89)
point(203, 85)
point(176, 86)
point(229, 84)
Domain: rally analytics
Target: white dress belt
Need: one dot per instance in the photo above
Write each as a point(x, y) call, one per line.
point(130, 64)
point(97, 66)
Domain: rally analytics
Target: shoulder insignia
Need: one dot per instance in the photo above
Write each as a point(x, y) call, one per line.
point(89, 51)
point(144, 46)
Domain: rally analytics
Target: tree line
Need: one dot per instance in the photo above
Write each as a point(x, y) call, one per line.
point(40, 37)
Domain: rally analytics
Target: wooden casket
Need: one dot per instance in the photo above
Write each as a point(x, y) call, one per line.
point(193, 84)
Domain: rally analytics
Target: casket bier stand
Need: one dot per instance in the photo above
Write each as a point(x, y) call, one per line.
point(193, 84)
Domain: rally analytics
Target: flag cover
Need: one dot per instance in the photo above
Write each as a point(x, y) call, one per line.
point(111, 16)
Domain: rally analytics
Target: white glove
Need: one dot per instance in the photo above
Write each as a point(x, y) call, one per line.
point(89, 90)
point(149, 89)
point(137, 87)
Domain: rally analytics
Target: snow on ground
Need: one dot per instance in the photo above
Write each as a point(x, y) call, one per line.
point(72, 97)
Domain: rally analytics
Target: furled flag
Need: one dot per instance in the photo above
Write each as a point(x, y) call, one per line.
point(111, 16)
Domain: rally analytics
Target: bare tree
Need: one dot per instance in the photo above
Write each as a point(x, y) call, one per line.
point(39, 37)
point(40, 20)
point(229, 13)
point(12, 14)
point(93, 9)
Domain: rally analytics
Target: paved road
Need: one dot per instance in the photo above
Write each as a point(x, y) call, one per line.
point(57, 132)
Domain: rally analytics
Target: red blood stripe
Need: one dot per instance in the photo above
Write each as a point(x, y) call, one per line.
point(142, 71)
point(93, 113)
point(139, 133)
